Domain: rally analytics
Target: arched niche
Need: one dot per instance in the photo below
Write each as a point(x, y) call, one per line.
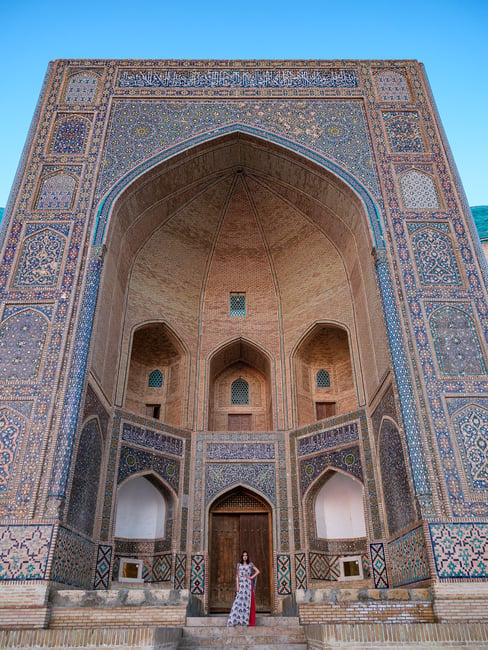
point(238, 213)
point(141, 510)
point(339, 508)
point(324, 352)
point(156, 353)
point(237, 364)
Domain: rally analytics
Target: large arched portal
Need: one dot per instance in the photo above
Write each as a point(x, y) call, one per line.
point(238, 239)
point(239, 521)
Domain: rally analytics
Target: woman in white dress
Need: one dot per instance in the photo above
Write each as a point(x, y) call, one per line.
point(243, 610)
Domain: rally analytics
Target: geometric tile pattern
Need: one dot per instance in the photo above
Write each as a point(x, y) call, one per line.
point(83, 498)
point(378, 562)
point(471, 425)
point(81, 88)
point(73, 559)
point(141, 128)
point(12, 426)
point(324, 567)
point(418, 191)
point(260, 476)
point(70, 136)
point(283, 575)
point(396, 487)
point(24, 551)
point(152, 439)
point(22, 338)
point(408, 558)
point(102, 568)
point(300, 570)
point(392, 87)
point(135, 460)
point(434, 254)
point(347, 459)
point(161, 568)
point(235, 451)
point(76, 380)
point(456, 342)
point(326, 439)
point(56, 192)
point(39, 259)
point(403, 131)
point(197, 576)
point(180, 571)
point(460, 549)
point(155, 568)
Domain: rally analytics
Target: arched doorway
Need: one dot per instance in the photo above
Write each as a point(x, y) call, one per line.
point(239, 521)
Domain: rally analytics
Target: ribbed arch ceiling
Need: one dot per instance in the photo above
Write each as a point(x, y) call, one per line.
point(233, 213)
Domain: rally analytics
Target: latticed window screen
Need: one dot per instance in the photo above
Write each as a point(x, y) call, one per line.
point(237, 304)
point(323, 379)
point(155, 379)
point(239, 392)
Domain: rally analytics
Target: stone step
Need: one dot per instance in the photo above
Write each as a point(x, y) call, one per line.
point(261, 620)
point(270, 633)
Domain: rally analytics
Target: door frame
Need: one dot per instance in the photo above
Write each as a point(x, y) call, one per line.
point(219, 501)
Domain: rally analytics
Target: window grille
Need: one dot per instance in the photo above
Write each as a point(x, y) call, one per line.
point(155, 379)
point(237, 304)
point(323, 379)
point(239, 392)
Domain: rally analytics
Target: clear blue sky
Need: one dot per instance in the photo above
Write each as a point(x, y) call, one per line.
point(450, 37)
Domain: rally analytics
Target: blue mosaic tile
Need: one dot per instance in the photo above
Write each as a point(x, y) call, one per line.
point(240, 451)
point(301, 570)
point(70, 135)
point(24, 551)
point(197, 577)
point(460, 549)
point(348, 460)
point(102, 568)
point(403, 131)
point(434, 254)
point(73, 559)
point(408, 558)
point(135, 460)
point(326, 439)
point(152, 439)
point(283, 575)
point(378, 564)
point(22, 338)
point(396, 487)
point(86, 479)
point(40, 258)
point(12, 428)
point(221, 476)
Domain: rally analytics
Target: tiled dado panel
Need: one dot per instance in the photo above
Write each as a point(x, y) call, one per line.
point(408, 558)
point(460, 550)
point(24, 551)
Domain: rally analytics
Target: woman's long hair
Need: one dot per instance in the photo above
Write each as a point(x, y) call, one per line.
point(242, 557)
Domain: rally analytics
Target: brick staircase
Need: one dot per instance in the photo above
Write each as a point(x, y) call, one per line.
point(270, 633)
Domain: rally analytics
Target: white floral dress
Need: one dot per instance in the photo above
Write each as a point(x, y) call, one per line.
point(241, 608)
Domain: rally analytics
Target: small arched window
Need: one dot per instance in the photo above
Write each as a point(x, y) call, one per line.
point(323, 379)
point(155, 379)
point(239, 392)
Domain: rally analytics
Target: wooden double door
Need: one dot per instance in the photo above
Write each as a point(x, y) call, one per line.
point(234, 530)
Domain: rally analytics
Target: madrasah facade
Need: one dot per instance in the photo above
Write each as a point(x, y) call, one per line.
point(244, 306)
